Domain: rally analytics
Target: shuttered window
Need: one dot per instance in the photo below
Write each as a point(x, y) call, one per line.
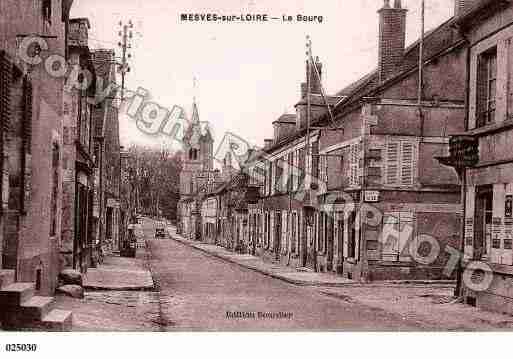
point(486, 87)
point(27, 145)
point(315, 160)
point(354, 165)
point(509, 51)
point(392, 163)
point(407, 153)
point(302, 167)
point(5, 85)
point(401, 163)
point(5, 112)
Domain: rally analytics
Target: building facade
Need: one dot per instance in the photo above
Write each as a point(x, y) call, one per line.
point(32, 161)
point(375, 157)
point(78, 155)
point(489, 183)
point(32, 146)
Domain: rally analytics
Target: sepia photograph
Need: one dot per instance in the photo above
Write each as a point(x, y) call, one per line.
point(254, 167)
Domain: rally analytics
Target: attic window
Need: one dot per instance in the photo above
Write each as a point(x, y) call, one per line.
point(47, 10)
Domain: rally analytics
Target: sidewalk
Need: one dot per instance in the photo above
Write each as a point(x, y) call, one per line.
point(287, 274)
point(292, 275)
point(120, 273)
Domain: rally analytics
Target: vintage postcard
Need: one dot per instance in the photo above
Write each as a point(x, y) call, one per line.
point(255, 166)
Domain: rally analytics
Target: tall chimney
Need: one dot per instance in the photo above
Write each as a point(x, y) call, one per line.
point(392, 37)
point(315, 81)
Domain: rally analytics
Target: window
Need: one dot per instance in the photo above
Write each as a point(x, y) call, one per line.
point(47, 10)
point(278, 173)
point(55, 190)
point(400, 163)
point(486, 87)
point(323, 170)
point(301, 164)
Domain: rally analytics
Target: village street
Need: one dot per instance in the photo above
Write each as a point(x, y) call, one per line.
point(197, 290)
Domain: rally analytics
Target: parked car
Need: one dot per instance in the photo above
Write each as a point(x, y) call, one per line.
point(160, 230)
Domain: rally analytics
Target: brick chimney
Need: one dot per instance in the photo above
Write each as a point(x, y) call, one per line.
point(314, 80)
point(392, 37)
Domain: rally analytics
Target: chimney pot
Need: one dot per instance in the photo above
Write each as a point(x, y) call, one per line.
point(397, 4)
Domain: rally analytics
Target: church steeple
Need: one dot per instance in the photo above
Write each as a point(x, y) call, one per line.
point(198, 141)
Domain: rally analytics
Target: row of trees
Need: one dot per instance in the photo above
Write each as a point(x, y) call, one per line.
point(156, 177)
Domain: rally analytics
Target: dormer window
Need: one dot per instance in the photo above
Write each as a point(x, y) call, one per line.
point(47, 10)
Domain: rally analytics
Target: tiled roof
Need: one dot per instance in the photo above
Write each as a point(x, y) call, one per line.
point(286, 118)
point(316, 99)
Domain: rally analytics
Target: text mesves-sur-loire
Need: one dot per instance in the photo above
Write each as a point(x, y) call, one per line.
point(212, 17)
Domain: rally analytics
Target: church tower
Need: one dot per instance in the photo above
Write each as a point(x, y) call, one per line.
point(198, 148)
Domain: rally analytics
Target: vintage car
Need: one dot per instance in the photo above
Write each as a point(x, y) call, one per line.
point(160, 230)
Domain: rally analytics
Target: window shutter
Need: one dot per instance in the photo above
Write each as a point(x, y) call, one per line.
point(407, 162)
point(482, 90)
point(314, 170)
point(5, 114)
point(354, 161)
point(510, 78)
point(302, 167)
point(27, 144)
point(5, 85)
point(270, 179)
point(392, 163)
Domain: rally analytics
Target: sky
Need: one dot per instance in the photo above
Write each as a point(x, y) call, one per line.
point(248, 74)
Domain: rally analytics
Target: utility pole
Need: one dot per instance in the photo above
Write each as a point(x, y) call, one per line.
point(126, 35)
point(308, 145)
point(421, 69)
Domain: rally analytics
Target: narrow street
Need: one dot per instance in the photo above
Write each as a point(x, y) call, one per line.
point(197, 291)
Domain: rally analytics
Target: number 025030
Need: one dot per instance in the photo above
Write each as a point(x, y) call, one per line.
point(21, 347)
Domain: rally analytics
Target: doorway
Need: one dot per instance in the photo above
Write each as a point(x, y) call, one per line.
point(277, 234)
point(483, 221)
point(329, 241)
point(340, 241)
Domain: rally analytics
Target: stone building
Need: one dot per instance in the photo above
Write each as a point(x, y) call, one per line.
point(78, 155)
point(376, 159)
point(373, 221)
point(107, 214)
point(31, 112)
point(32, 143)
point(488, 237)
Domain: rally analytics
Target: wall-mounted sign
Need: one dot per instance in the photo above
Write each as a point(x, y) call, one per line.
point(371, 196)
point(508, 206)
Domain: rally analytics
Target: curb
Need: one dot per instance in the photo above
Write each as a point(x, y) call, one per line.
point(401, 284)
point(127, 288)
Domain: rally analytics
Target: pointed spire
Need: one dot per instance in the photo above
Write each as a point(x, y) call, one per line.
point(195, 114)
